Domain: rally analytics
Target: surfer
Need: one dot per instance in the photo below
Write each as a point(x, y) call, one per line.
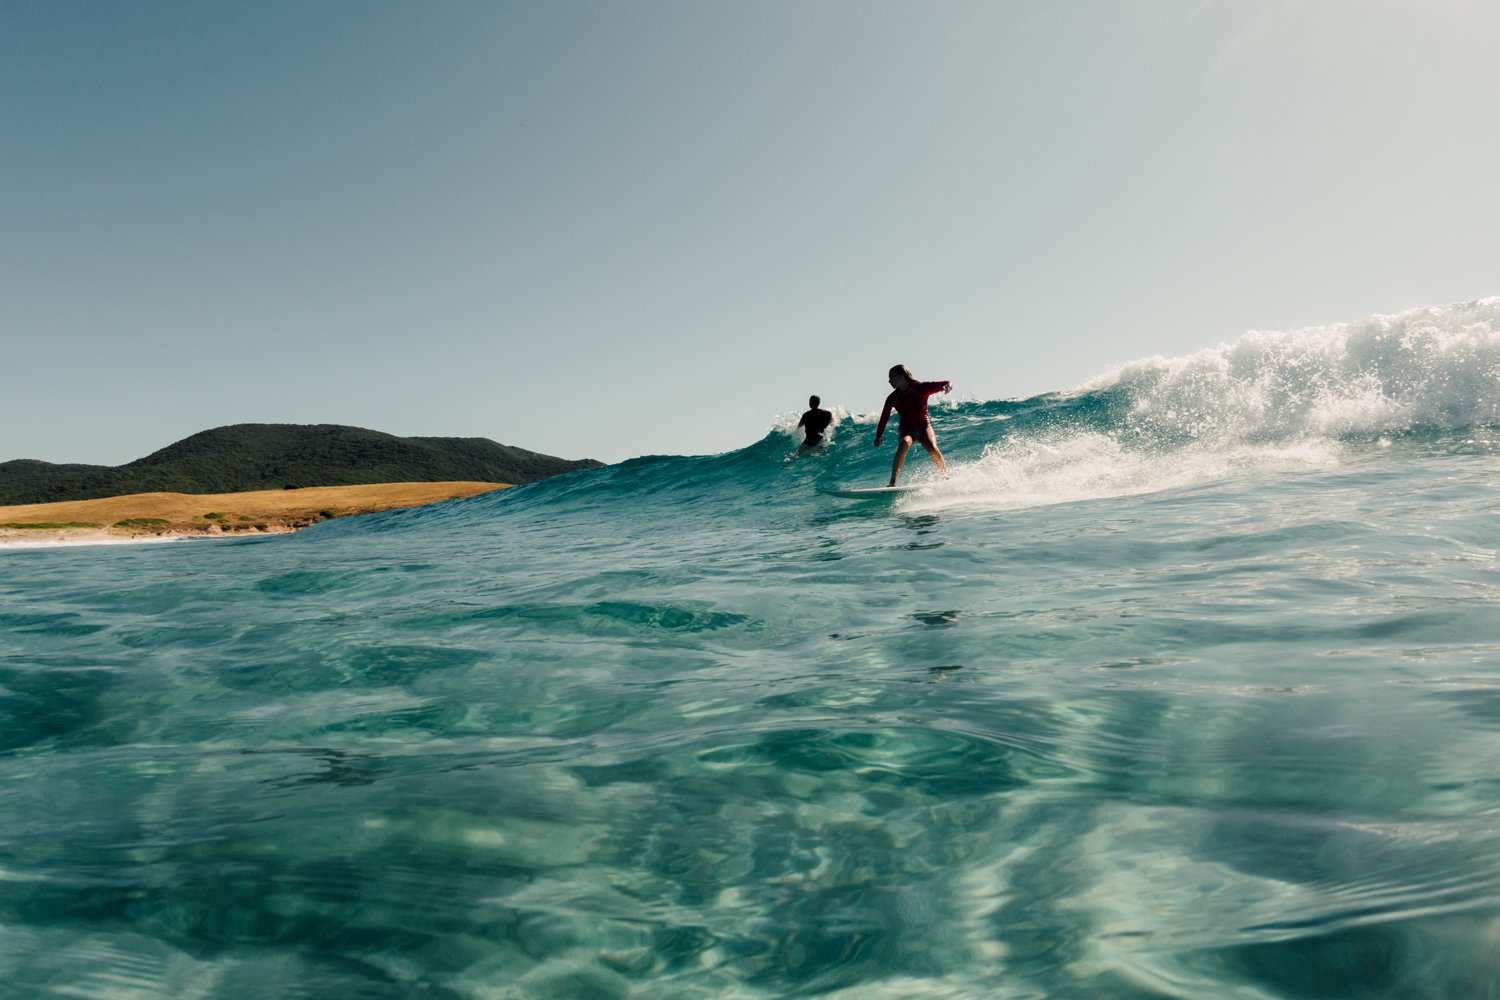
point(815, 421)
point(909, 398)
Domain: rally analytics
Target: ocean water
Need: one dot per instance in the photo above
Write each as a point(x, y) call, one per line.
point(1185, 683)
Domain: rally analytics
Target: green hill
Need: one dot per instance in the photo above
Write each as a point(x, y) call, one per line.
point(245, 457)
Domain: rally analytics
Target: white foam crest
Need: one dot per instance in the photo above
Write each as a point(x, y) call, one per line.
point(1065, 467)
point(786, 423)
point(1426, 367)
point(1267, 403)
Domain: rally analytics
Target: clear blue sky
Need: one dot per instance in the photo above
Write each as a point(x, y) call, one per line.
point(608, 229)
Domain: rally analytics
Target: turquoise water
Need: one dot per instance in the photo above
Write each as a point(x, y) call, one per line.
point(1184, 684)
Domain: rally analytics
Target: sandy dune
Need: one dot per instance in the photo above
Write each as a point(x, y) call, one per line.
point(160, 514)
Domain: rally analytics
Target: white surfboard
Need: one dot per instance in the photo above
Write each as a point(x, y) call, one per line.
point(869, 492)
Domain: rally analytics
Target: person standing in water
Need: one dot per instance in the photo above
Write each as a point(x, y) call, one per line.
point(909, 399)
point(815, 421)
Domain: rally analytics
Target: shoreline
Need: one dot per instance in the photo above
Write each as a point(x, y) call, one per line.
point(162, 517)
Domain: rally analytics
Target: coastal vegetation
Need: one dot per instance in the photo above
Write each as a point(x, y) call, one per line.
point(250, 457)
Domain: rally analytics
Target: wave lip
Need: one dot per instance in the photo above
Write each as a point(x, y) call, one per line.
point(1430, 367)
point(1269, 402)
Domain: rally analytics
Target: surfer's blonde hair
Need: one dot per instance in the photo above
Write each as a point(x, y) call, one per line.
point(902, 369)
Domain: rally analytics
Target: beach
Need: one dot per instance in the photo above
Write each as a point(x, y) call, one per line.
point(151, 516)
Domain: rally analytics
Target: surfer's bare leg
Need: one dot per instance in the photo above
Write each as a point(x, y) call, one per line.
point(928, 440)
point(902, 443)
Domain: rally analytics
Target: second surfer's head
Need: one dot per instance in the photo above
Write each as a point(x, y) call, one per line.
point(813, 401)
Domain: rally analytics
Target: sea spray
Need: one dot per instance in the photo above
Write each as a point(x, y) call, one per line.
point(1269, 402)
point(1424, 368)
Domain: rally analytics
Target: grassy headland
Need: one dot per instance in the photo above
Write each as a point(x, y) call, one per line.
point(249, 457)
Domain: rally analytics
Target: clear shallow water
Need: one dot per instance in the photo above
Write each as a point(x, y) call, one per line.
point(1133, 705)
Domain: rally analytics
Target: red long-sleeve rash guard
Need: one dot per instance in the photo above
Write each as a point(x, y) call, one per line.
point(911, 403)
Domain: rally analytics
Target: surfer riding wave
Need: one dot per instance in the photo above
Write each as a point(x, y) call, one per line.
point(909, 399)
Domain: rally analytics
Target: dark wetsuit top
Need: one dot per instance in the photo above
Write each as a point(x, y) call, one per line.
point(911, 403)
point(816, 421)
